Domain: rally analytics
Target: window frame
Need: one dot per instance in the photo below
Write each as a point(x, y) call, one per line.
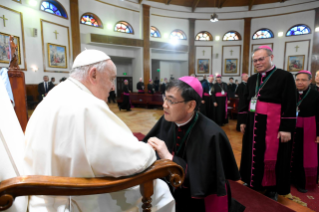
point(127, 24)
point(95, 17)
point(237, 33)
point(263, 38)
point(178, 30)
point(157, 31)
point(209, 35)
point(58, 5)
point(296, 26)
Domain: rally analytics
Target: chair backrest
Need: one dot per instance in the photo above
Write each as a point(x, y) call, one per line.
point(11, 145)
point(17, 82)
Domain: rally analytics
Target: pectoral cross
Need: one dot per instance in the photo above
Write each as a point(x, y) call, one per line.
point(203, 52)
point(56, 34)
point(4, 20)
point(231, 52)
point(297, 48)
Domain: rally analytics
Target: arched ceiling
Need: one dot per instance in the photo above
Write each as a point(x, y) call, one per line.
point(216, 3)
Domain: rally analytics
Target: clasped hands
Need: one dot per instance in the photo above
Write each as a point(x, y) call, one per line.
point(160, 147)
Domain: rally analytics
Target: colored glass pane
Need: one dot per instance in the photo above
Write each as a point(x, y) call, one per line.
point(263, 34)
point(298, 30)
point(53, 9)
point(203, 36)
point(231, 36)
point(178, 34)
point(89, 20)
point(123, 27)
point(155, 33)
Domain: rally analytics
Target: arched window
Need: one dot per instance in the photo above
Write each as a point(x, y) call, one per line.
point(204, 36)
point(263, 34)
point(300, 29)
point(53, 7)
point(124, 27)
point(155, 32)
point(178, 34)
point(91, 19)
point(232, 35)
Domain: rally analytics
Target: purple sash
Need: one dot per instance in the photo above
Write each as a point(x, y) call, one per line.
point(310, 150)
point(219, 94)
point(206, 94)
point(273, 112)
point(141, 91)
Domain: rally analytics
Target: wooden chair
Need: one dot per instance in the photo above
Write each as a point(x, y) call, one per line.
point(68, 186)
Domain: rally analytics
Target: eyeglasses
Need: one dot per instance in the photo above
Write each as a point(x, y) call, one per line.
point(170, 102)
point(260, 59)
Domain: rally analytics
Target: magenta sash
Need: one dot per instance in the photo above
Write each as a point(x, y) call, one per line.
point(273, 112)
point(141, 91)
point(219, 94)
point(128, 94)
point(310, 150)
point(214, 203)
point(206, 94)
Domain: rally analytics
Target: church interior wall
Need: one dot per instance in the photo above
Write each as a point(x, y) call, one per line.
point(111, 12)
point(173, 68)
point(33, 45)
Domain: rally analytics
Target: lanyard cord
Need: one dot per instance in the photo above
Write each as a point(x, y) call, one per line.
point(186, 135)
point(299, 102)
point(258, 88)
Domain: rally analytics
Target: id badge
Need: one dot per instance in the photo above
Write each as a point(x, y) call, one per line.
point(223, 92)
point(253, 104)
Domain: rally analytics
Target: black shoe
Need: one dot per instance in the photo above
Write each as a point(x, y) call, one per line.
point(129, 110)
point(301, 189)
point(272, 195)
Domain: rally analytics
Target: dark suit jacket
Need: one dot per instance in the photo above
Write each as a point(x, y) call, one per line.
point(41, 89)
point(314, 87)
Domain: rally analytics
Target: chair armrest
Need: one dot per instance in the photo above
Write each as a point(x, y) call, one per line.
point(71, 186)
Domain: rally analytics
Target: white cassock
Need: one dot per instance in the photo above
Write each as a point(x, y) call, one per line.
point(74, 134)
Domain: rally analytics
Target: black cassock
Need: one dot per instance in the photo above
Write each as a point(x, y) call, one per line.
point(305, 150)
point(126, 104)
point(231, 90)
point(140, 87)
point(240, 93)
point(163, 88)
point(314, 87)
point(269, 167)
point(220, 96)
point(207, 159)
point(150, 88)
point(208, 107)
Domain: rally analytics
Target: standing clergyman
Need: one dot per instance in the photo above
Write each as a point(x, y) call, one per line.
point(267, 119)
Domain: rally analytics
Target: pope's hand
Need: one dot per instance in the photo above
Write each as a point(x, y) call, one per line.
point(284, 136)
point(161, 148)
point(317, 141)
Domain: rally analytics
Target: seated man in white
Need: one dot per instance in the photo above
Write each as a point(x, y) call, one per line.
point(73, 133)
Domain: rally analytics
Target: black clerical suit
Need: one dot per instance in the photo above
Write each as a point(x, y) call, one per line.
point(202, 148)
point(240, 93)
point(44, 89)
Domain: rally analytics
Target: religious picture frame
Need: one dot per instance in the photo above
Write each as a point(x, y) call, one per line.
point(57, 56)
point(231, 66)
point(295, 63)
point(203, 66)
point(4, 48)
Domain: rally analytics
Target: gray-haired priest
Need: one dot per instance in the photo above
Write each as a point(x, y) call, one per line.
point(267, 119)
point(73, 133)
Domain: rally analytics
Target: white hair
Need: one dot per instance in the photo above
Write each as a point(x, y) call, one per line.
point(80, 73)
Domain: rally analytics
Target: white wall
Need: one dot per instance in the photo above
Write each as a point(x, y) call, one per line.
point(177, 69)
point(33, 45)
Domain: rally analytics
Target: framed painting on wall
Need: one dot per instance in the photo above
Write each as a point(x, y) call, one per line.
point(295, 63)
point(203, 66)
point(57, 56)
point(230, 66)
point(4, 48)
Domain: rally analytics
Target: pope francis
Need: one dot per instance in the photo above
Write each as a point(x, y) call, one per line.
point(73, 133)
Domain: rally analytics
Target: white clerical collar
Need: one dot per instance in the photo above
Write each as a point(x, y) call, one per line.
point(183, 124)
point(300, 92)
point(264, 73)
point(80, 85)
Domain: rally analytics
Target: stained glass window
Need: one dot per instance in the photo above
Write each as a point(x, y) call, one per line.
point(298, 30)
point(204, 36)
point(53, 8)
point(91, 20)
point(123, 26)
point(263, 34)
point(232, 35)
point(155, 32)
point(178, 34)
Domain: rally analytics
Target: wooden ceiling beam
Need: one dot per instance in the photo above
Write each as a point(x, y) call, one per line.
point(140, 1)
point(195, 3)
point(251, 3)
point(282, 1)
point(168, 1)
point(221, 3)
